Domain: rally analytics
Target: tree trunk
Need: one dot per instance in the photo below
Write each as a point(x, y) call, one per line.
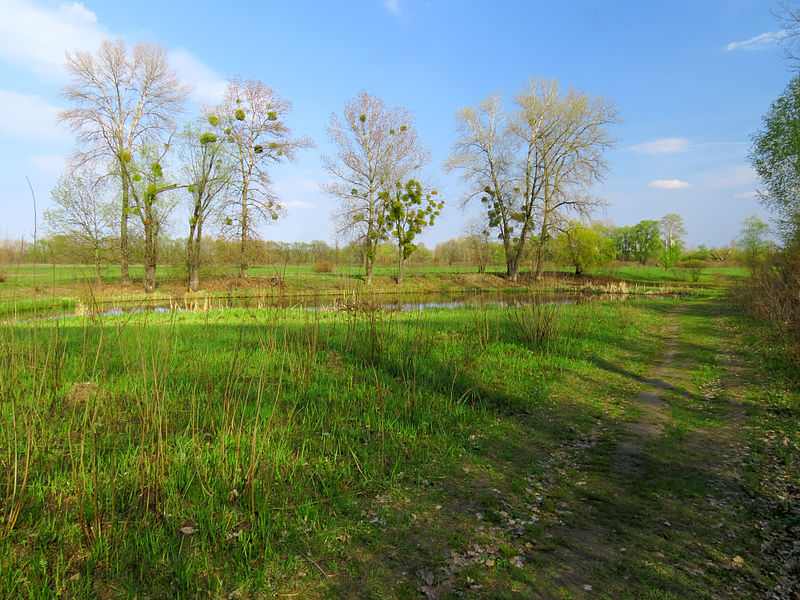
point(512, 264)
point(540, 248)
point(400, 265)
point(97, 264)
point(194, 278)
point(125, 276)
point(149, 281)
point(243, 256)
point(539, 252)
point(193, 254)
point(368, 263)
point(243, 241)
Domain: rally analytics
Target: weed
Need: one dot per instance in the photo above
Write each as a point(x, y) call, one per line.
point(536, 320)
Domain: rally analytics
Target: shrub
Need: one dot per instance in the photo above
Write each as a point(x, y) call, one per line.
point(692, 269)
point(774, 296)
point(323, 266)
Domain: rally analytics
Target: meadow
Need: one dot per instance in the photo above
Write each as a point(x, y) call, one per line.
point(365, 452)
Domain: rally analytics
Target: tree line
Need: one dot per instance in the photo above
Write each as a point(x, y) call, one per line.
point(133, 163)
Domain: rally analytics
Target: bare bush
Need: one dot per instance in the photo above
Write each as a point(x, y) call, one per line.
point(774, 296)
point(537, 320)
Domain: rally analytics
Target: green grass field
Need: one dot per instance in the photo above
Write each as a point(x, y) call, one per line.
point(447, 453)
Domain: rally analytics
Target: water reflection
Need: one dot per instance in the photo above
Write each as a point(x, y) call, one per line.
point(354, 302)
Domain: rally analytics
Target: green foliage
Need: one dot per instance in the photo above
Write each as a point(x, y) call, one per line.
point(213, 120)
point(239, 114)
point(208, 138)
point(753, 241)
point(671, 255)
point(126, 156)
point(407, 213)
point(776, 158)
point(272, 115)
point(702, 254)
point(692, 269)
point(640, 242)
point(583, 248)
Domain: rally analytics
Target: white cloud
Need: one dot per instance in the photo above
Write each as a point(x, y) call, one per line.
point(37, 38)
point(29, 117)
point(669, 184)
point(750, 194)
point(670, 145)
point(393, 6)
point(209, 87)
point(759, 42)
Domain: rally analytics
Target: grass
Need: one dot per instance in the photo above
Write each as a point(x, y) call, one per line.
point(259, 453)
point(262, 432)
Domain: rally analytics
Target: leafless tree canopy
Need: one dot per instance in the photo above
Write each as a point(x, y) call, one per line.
point(252, 121)
point(376, 147)
point(121, 101)
point(531, 167)
point(82, 212)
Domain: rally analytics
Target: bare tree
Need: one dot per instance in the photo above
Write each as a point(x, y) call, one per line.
point(376, 148)
point(484, 154)
point(533, 168)
point(789, 15)
point(565, 137)
point(251, 119)
point(207, 168)
point(479, 242)
point(83, 213)
point(121, 101)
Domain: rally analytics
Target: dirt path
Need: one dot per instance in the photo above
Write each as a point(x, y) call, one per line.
point(585, 551)
point(627, 460)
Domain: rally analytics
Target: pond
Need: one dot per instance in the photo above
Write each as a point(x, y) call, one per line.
point(352, 302)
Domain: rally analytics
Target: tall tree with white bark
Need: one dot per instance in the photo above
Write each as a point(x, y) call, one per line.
point(376, 147)
point(534, 167)
point(121, 101)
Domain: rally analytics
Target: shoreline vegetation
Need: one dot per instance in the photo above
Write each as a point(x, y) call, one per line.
point(481, 451)
point(55, 289)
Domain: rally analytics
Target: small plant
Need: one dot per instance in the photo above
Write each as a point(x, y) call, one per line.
point(536, 320)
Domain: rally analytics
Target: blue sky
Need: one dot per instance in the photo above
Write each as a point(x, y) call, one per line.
point(691, 80)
